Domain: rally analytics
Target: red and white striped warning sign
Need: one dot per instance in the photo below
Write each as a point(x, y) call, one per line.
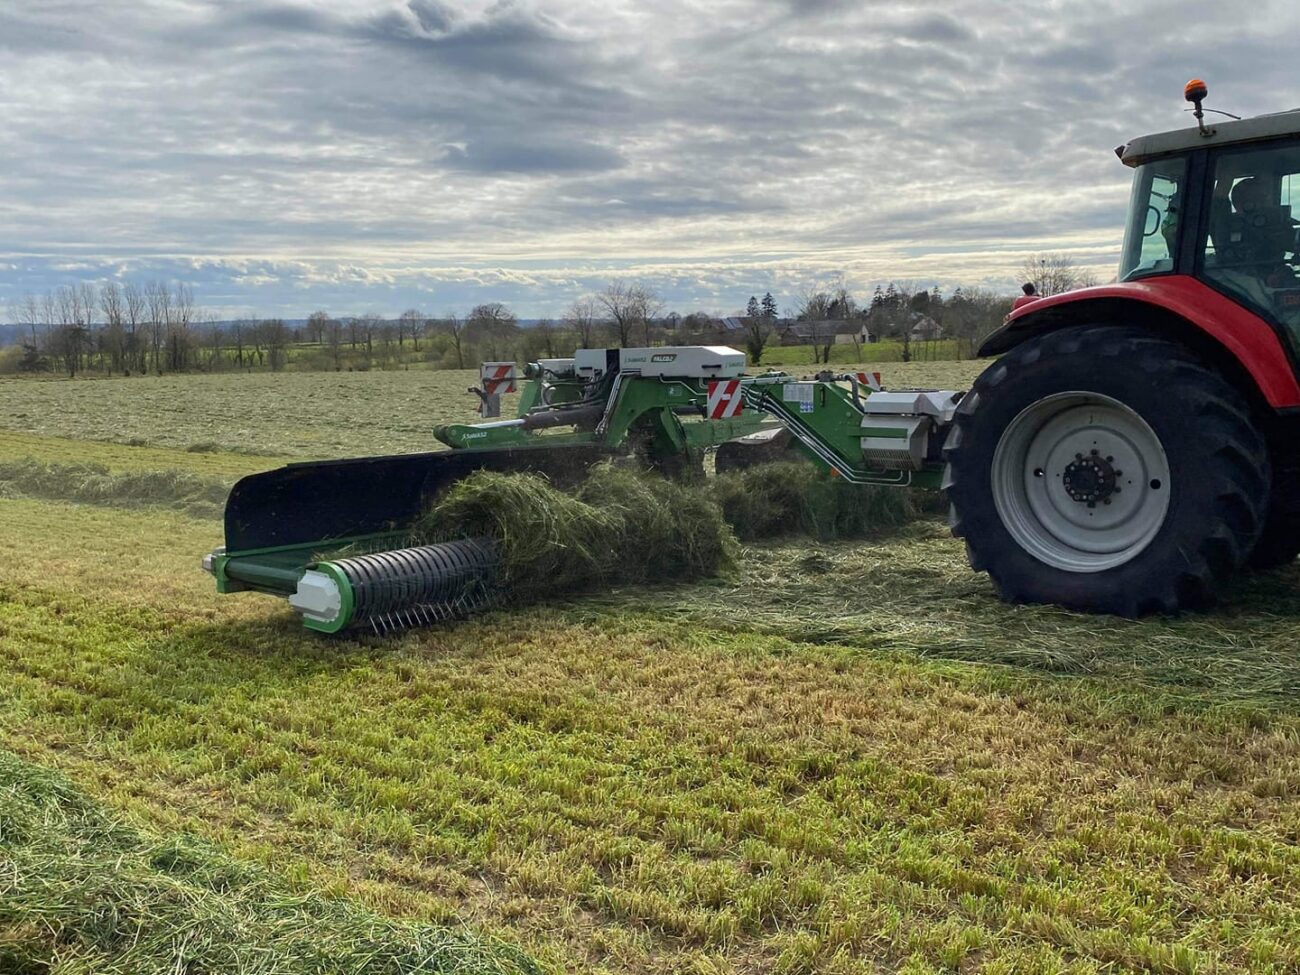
point(497, 377)
point(725, 399)
point(871, 380)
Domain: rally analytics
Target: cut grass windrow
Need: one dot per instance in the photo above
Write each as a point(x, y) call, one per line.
point(81, 892)
point(193, 494)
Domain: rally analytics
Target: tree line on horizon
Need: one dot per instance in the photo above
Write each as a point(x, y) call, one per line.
point(155, 327)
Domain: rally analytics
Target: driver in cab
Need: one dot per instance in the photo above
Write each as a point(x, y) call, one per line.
point(1264, 233)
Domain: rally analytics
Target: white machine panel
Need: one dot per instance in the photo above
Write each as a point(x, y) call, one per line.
point(669, 362)
point(938, 403)
point(589, 363)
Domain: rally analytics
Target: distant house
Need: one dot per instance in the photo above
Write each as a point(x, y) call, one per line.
point(925, 329)
point(699, 329)
point(918, 327)
point(840, 332)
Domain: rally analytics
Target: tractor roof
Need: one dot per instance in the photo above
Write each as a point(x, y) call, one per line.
point(1257, 129)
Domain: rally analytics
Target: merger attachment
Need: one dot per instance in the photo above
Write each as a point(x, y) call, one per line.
point(338, 539)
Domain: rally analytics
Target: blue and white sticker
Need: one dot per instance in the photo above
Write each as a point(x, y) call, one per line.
point(801, 393)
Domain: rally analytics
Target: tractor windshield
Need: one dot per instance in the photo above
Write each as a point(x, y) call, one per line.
point(1250, 247)
point(1155, 208)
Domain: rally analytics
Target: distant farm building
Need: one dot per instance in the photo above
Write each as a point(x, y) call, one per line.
point(838, 331)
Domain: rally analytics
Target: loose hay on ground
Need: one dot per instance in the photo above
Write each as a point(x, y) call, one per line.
point(770, 500)
point(81, 892)
point(621, 525)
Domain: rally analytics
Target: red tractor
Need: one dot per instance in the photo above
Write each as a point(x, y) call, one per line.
point(1136, 443)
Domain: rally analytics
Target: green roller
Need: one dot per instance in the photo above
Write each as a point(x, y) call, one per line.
point(397, 588)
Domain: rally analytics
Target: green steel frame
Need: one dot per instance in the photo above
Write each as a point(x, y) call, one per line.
point(823, 414)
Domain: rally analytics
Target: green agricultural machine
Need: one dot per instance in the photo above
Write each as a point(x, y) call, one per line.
point(1131, 449)
point(333, 537)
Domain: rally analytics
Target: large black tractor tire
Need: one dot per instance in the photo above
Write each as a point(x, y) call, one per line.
point(1105, 469)
point(1279, 542)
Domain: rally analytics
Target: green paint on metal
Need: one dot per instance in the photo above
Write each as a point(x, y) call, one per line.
point(711, 433)
point(530, 396)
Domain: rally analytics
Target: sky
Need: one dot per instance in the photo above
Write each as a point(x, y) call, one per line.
point(283, 156)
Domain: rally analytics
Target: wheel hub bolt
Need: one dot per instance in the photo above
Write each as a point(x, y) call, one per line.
point(1090, 479)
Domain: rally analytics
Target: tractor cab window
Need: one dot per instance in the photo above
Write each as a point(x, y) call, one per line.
point(1154, 218)
point(1251, 249)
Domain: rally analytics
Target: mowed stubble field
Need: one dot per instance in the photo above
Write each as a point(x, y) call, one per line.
point(846, 757)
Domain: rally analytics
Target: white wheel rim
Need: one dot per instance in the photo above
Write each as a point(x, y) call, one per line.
point(1081, 482)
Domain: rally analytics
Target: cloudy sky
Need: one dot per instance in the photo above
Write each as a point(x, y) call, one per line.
point(370, 155)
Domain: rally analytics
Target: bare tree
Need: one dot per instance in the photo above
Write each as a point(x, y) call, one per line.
point(1053, 274)
point(178, 328)
point(492, 325)
point(409, 323)
point(630, 306)
point(216, 339)
point(275, 336)
point(73, 308)
point(133, 312)
point(240, 332)
point(972, 314)
point(581, 318)
point(334, 341)
point(114, 336)
point(317, 325)
point(814, 306)
point(387, 333)
point(49, 310)
point(158, 300)
point(29, 313)
point(545, 329)
point(368, 327)
point(455, 329)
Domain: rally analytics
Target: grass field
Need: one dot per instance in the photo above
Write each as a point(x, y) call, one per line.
point(316, 414)
point(887, 351)
point(847, 757)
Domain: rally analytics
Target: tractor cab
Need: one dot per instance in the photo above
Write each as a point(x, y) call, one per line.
point(1215, 203)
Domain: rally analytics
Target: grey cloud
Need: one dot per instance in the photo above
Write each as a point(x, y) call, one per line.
point(433, 16)
point(294, 18)
point(265, 148)
point(937, 29)
point(533, 156)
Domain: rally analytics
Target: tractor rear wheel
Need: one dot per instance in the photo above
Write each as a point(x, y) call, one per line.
point(1108, 470)
point(1279, 542)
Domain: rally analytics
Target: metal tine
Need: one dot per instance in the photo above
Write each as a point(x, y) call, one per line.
point(465, 603)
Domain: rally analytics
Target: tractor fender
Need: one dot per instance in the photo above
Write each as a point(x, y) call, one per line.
point(1227, 334)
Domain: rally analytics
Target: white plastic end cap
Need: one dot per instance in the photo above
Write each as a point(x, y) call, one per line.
point(318, 597)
